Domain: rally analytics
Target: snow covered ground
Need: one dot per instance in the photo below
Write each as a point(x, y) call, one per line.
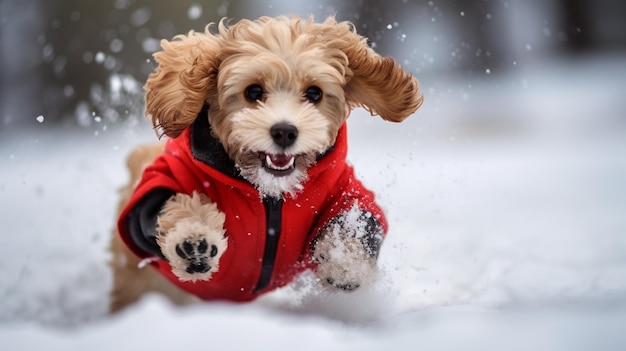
point(507, 207)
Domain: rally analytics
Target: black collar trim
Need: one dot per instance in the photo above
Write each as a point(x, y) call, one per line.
point(208, 149)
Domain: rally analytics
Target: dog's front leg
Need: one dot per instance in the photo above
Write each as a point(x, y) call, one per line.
point(346, 250)
point(191, 236)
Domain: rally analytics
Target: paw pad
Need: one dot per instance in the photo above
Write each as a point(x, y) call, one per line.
point(196, 253)
point(346, 286)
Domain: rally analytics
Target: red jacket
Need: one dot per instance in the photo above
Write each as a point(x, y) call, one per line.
point(195, 161)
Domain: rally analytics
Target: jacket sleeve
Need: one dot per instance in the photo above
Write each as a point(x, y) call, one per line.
point(354, 211)
point(142, 221)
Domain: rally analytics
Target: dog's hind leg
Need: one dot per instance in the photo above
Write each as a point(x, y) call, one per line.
point(130, 282)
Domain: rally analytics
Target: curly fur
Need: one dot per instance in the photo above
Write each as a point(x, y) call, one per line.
point(200, 68)
point(285, 56)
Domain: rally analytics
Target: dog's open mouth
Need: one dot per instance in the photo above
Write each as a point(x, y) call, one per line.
point(279, 164)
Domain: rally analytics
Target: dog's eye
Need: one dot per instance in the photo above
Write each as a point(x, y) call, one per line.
point(313, 94)
point(254, 92)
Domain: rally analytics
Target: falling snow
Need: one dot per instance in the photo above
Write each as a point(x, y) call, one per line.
point(194, 12)
point(503, 193)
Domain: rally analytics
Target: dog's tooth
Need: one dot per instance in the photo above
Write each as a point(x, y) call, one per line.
point(270, 163)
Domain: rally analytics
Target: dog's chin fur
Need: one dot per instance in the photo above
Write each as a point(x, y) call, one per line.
point(251, 167)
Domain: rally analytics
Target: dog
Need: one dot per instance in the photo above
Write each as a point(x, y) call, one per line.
point(251, 186)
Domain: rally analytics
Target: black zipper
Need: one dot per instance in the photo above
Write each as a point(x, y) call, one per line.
point(273, 213)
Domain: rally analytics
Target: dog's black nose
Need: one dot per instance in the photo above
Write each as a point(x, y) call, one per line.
point(284, 134)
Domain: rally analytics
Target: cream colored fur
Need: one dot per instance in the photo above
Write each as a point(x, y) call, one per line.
point(191, 218)
point(284, 56)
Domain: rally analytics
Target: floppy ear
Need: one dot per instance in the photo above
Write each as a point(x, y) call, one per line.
point(378, 84)
point(177, 90)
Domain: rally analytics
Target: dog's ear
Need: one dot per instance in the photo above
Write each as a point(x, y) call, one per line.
point(378, 84)
point(177, 90)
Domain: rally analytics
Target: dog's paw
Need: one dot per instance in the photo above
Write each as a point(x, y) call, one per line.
point(343, 264)
point(191, 236)
point(193, 250)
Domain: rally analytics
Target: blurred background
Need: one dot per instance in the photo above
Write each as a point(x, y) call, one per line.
point(72, 61)
point(506, 189)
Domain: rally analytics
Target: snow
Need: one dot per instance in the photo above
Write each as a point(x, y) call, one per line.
point(506, 205)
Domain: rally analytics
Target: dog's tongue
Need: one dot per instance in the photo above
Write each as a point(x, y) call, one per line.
point(280, 162)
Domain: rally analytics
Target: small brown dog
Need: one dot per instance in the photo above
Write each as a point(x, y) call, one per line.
point(252, 186)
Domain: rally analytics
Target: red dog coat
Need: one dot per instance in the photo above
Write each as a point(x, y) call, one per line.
point(269, 240)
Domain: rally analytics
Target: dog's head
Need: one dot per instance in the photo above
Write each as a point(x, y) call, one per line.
point(278, 90)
